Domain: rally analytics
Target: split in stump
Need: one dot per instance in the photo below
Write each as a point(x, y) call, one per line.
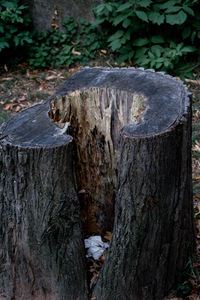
point(110, 151)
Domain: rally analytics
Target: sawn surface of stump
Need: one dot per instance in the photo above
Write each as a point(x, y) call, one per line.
point(110, 151)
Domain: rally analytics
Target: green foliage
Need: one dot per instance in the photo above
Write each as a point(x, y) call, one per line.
point(14, 26)
point(155, 34)
point(158, 34)
point(73, 45)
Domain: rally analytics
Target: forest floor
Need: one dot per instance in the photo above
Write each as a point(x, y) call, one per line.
point(21, 88)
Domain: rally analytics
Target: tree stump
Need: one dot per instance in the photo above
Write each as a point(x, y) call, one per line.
point(110, 151)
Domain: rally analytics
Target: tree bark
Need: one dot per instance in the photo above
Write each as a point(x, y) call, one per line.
point(125, 159)
point(152, 215)
point(42, 250)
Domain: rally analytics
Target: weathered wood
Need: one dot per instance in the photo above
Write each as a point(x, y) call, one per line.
point(41, 243)
point(151, 241)
point(131, 150)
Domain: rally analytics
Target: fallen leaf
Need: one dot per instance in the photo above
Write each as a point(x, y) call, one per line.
point(197, 265)
point(93, 280)
point(17, 108)
point(54, 25)
point(73, 70)
point(82, 192)
point(5, 68)
point(51, 77)
point(192, 81)
point(196, 176)
point(8, 107)
point(21, 99)
point(7, 79)
point(27, 73)
point(75, 52)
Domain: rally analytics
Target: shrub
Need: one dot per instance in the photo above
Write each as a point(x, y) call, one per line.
point(158, 34)
point(155, 34)
point(76, 44)
point(14, 27)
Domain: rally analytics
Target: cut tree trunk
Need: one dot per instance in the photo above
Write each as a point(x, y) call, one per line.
point(42, 251)
point(110, 151)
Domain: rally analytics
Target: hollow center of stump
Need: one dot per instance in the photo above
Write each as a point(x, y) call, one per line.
point(96, 116)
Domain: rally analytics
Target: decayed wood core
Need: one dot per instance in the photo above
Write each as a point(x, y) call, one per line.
point(96, 116)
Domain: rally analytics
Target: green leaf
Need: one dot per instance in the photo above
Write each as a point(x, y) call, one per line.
point(16, 40)
point(140, 52)
point(178, 19)
point(144, 3)
point(126, 49)
point(141, 15)
point(126, 57)
point(157, 39)
point(28, 40)
point(115, 36)
point(188, 49)
point(173, 9)
point(193, 36)
point(8, 4)
point(127, 35)
point(13, 30)
point(1, 29)
point(188, 10)
point(124, 6)
point(66, 49)
point(126, 23)
point(99, 21)
point(21, 7)
point(143, 61)
point(157, 50)
point(108, 7)
point(151, 55)
point(158, 65)
point(186, 32)
point(156, 18)
point(167, 4)
point(116, 44)
point(3, 45)
point(100, 8)
point(119, 19)
point(140, 42)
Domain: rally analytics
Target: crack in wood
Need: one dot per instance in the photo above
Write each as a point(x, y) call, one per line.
point(96, 117)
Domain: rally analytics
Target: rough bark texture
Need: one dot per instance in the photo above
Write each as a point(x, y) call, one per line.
point(131, 132)
point(151, 239)
point(41, 245)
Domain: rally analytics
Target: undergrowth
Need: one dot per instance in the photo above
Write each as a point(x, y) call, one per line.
point(159, 34)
